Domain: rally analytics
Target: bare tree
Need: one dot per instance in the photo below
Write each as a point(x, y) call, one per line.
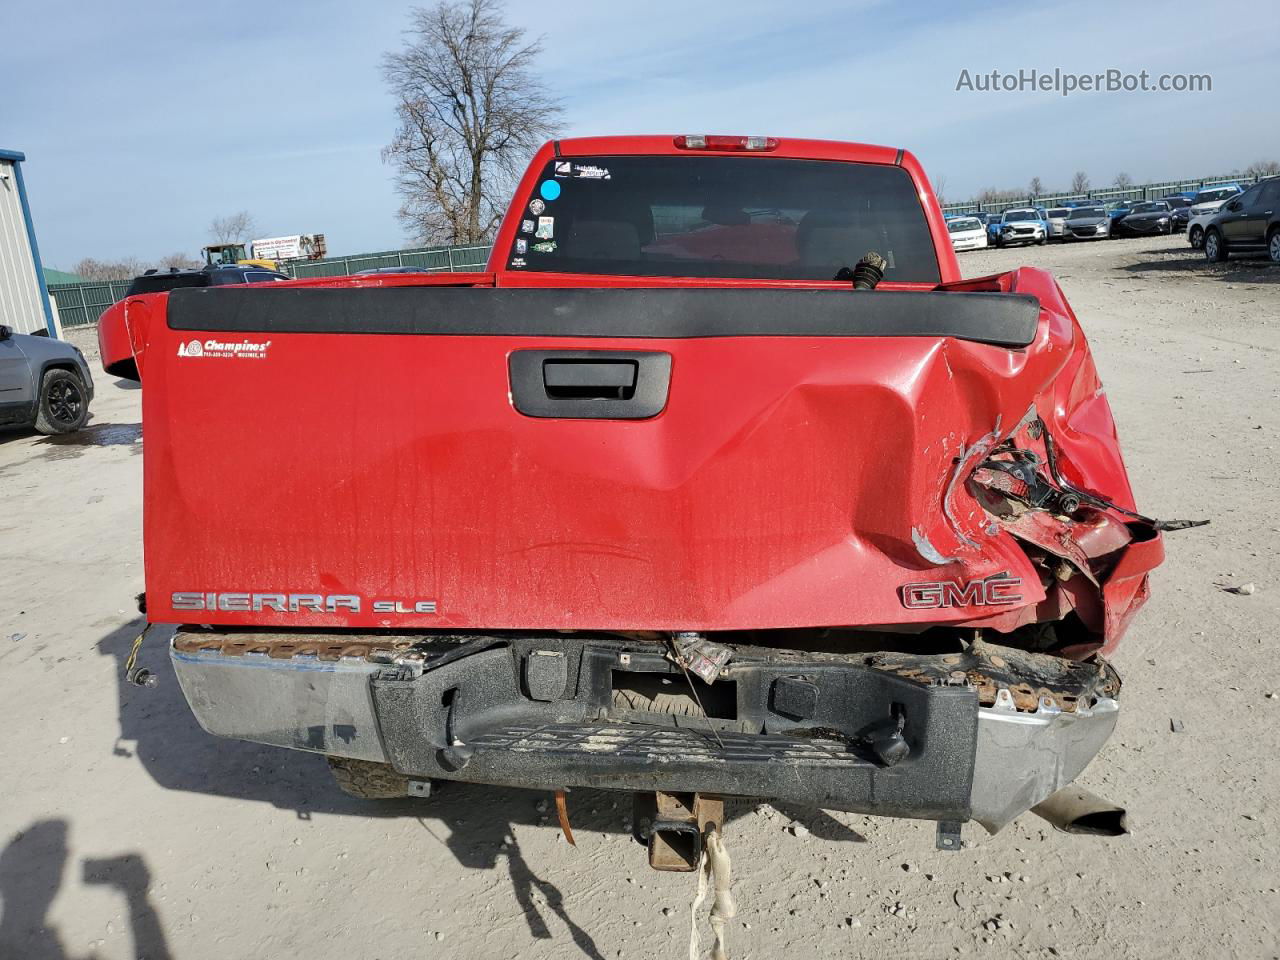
point(940, 189)
point(235, 228)
point(178, 260)
point(992, 195)
point(470, 112)
point(1262, 168)
point(1037, 187)
point(92, 269)
point(1123, 180)
point(1080, 182)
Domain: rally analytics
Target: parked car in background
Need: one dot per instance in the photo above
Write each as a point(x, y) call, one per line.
point(1056, 218)
point(992, 222)
point(1211, 199)
point(1204, 206)
point(159, 281)
point(967, 233)
point(44, 383)
point(1088, 223)
point(1195, 228)
point(1145, 219)
point(1022, 225)
point(1179, 210)
point(1117, 210)
point(1247, 223)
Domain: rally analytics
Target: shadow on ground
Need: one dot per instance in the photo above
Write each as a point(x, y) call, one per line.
point(474, 823)
point(1239, 269)
point(63, 445)
point(9, 433)
point(33, 867)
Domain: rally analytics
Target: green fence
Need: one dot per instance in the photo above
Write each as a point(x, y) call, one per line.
point(82, 303)
point(430, 259)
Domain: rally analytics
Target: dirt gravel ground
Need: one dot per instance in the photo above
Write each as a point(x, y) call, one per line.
point(125, 831)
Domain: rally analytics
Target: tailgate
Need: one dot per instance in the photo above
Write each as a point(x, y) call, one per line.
point(504, 458)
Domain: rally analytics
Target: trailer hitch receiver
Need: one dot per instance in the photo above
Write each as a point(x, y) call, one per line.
point(679, 825)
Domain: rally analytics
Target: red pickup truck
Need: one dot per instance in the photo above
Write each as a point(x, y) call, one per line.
point(719, 480)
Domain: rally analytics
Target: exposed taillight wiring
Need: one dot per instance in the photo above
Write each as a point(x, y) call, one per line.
point(1051, 458)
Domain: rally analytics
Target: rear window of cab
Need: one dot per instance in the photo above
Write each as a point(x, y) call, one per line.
point(725, 217)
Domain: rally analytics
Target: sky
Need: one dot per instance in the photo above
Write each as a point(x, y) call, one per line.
point(142, 121)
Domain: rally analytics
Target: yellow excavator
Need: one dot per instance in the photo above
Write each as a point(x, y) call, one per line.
point(233, 254)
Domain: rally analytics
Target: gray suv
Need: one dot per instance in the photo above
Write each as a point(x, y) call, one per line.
point(43, 383)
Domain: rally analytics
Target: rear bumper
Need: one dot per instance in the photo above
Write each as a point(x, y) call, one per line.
point(983, 743)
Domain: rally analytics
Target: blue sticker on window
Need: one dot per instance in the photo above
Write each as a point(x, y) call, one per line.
point(550, 189)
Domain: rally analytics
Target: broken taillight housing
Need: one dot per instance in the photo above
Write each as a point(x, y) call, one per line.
point(701, 141)
point(1001, 482)
point(1020, 479)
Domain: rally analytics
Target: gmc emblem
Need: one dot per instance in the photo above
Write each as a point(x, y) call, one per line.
point(994, 591)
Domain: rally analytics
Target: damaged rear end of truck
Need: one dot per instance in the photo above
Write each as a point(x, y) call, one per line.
point(691, 502)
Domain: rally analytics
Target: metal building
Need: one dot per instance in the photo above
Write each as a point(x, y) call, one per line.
point(24, 298)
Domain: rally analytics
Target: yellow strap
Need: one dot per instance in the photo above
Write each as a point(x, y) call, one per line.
point(133, 653)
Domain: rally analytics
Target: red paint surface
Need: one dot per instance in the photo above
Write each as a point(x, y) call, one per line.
point(779, 487)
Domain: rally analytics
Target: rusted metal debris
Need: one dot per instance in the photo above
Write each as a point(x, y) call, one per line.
point(562, 814)
point(285, 646)
point(988, 667)
point(1029, 677)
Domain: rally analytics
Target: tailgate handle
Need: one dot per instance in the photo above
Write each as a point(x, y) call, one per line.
point(590, 379)
point(590, 384)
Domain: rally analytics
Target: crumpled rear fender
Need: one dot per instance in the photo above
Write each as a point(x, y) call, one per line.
point(1111, 553)
point(116, 346)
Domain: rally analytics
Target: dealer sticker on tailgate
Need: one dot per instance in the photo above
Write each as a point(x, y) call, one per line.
point(222, 348)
